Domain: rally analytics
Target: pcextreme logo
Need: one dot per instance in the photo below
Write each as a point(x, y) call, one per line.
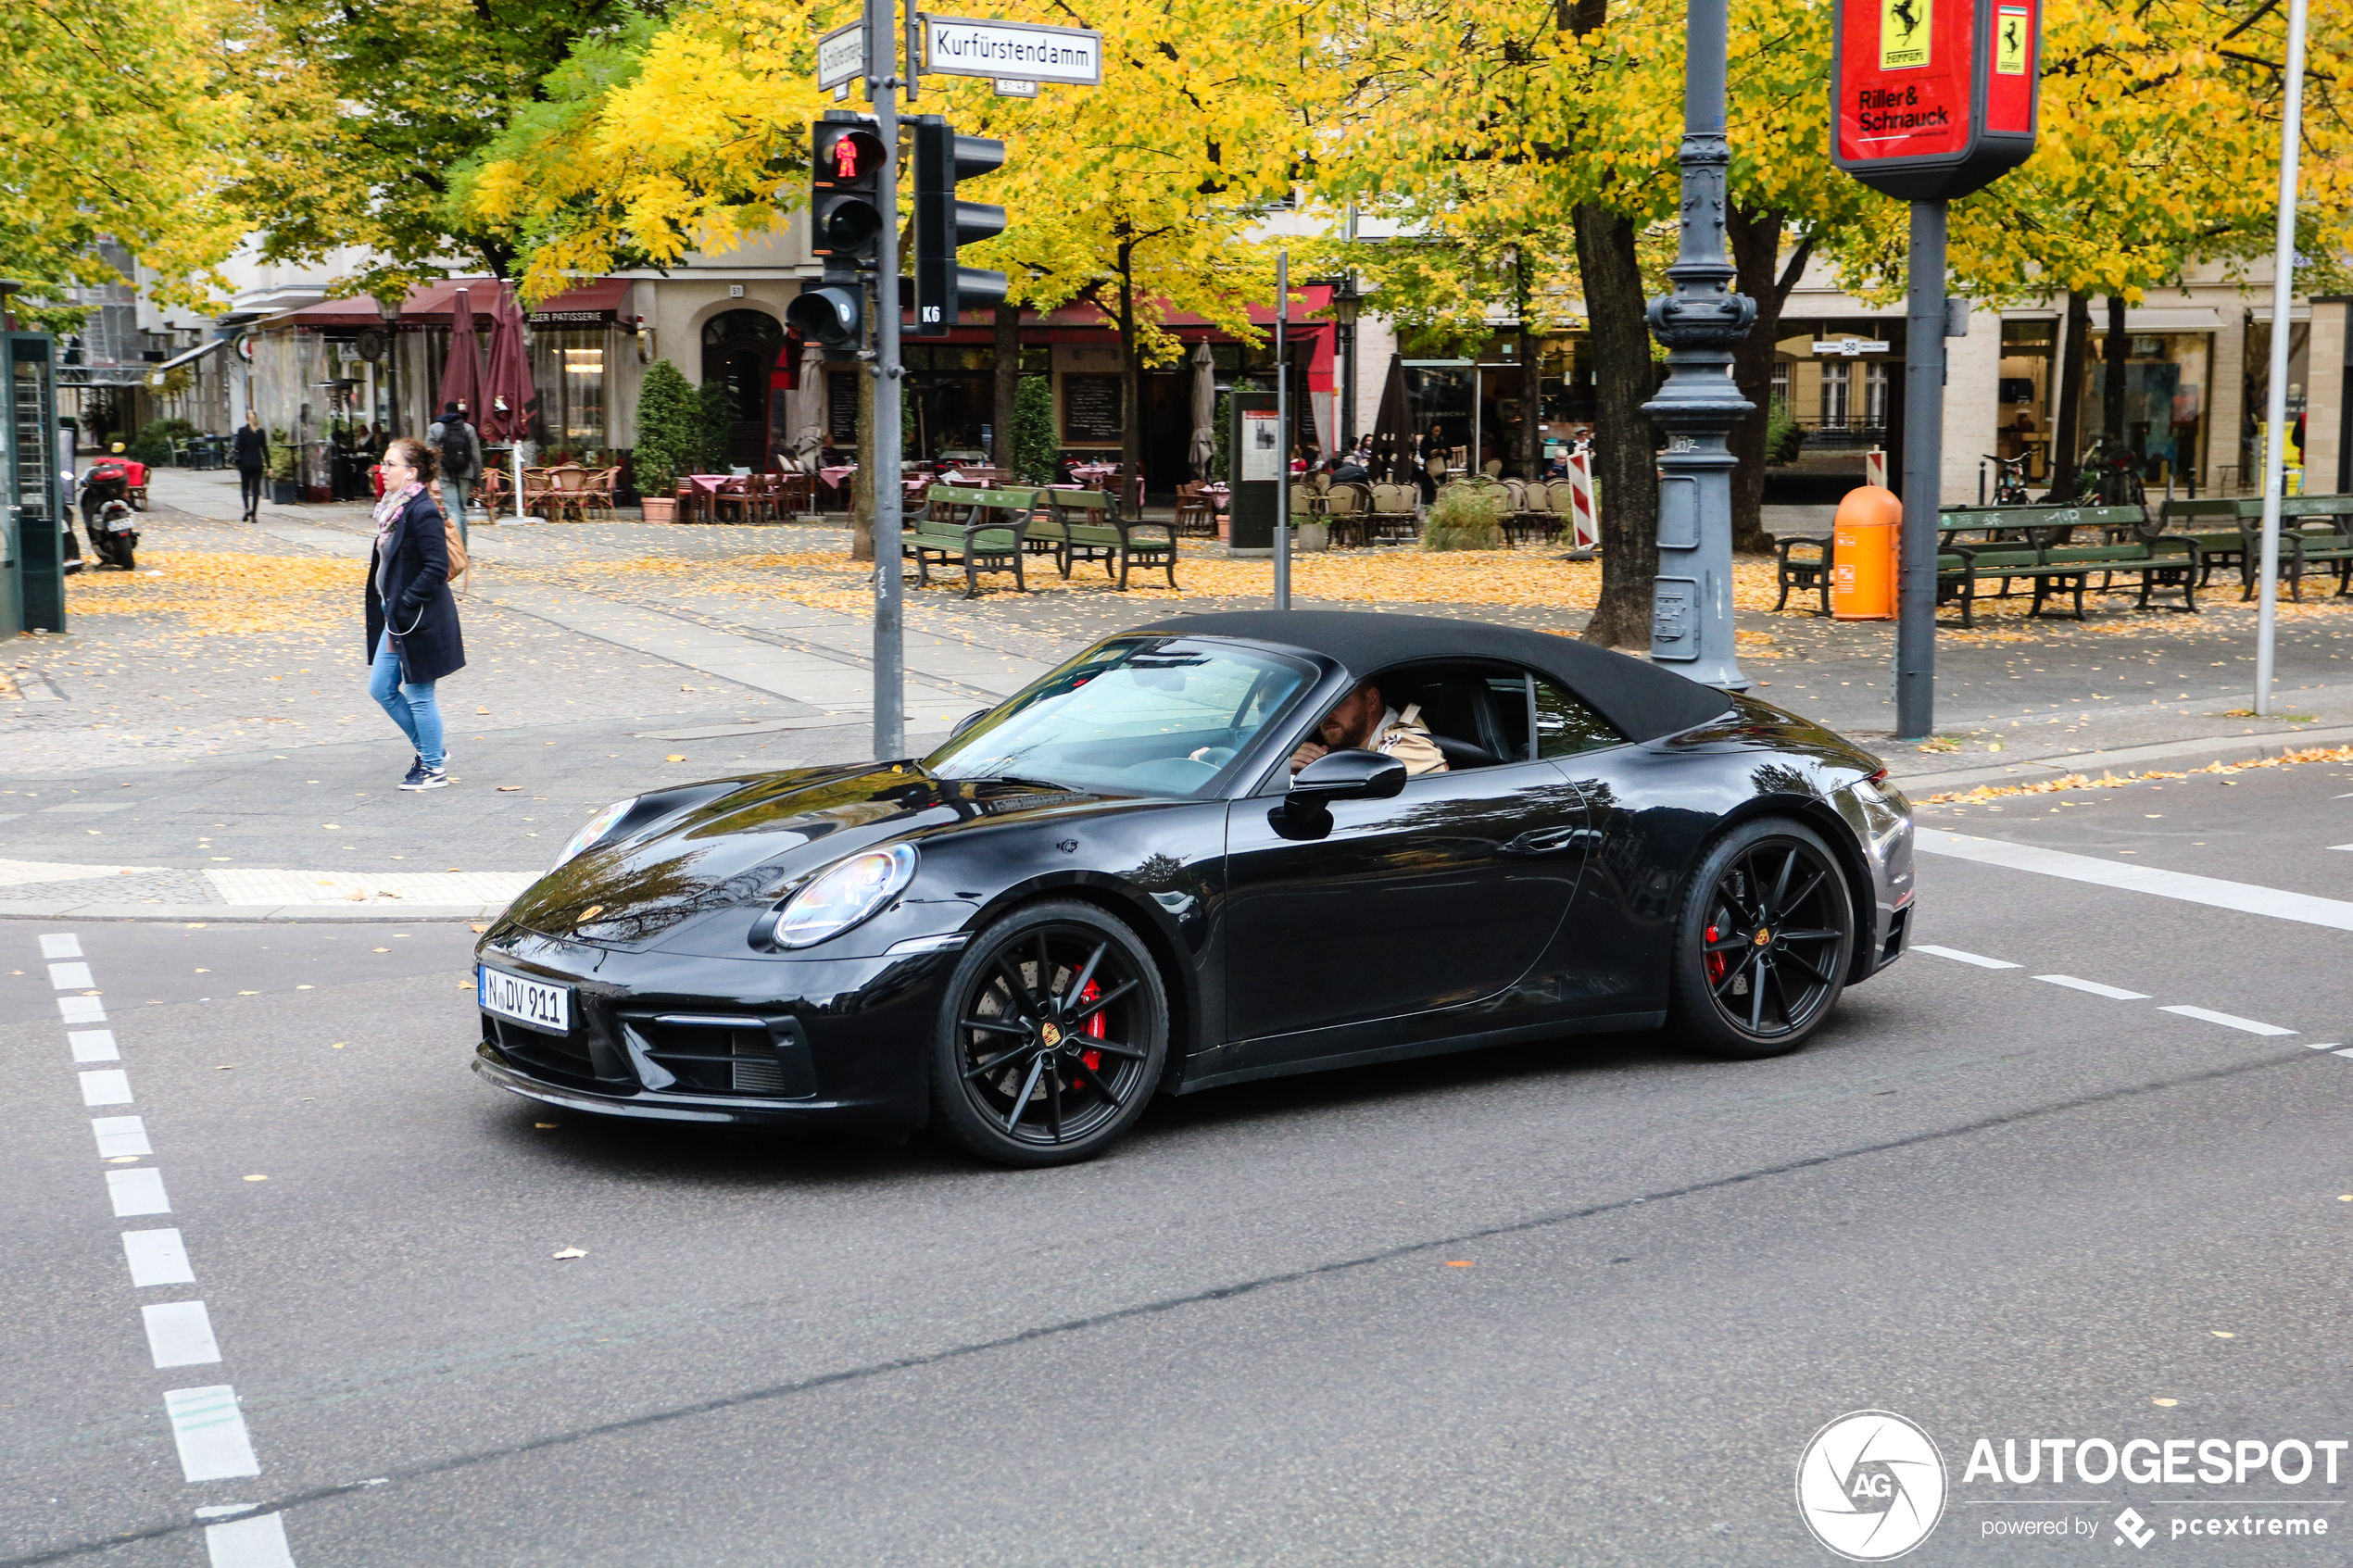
point(1870, 1486)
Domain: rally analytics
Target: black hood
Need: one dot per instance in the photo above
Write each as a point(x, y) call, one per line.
point(713, 847)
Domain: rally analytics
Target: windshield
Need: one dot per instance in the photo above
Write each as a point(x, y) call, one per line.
point(1143, 716)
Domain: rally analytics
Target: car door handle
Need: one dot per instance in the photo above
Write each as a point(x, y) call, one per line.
point(1551, 841)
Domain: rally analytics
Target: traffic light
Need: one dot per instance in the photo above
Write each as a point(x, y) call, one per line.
point(943, 289)
point(848, 165)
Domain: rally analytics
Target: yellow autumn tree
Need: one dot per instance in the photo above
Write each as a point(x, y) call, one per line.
point(116, 120)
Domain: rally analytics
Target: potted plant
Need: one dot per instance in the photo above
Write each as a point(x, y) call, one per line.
point(283, 490)
point(1309, 533)
point(669, 437)
point(1468, 515)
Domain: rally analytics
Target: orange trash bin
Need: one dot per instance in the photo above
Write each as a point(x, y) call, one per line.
point(1864, 542)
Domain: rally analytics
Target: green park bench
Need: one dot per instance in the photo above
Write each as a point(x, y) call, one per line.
point(2314, 532)
point(2054, 570)
point(1086, 525)
point(2039, 526)
point(989, 537)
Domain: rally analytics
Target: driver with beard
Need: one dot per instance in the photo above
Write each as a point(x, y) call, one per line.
point(1363, 720)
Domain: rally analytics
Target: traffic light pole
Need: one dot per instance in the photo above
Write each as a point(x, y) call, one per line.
point(890, 642)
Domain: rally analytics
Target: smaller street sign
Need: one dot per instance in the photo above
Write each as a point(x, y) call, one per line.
point(1852, 348)
point(841, 56)
point(1011, 87)
point(958, 47)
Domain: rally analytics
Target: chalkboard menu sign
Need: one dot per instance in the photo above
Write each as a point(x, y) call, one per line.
point(1090, 409)
point(841, 408)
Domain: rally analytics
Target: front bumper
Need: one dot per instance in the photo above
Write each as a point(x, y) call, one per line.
point(835, 1045)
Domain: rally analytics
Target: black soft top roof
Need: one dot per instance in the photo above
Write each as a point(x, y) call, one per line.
point(1642, 700)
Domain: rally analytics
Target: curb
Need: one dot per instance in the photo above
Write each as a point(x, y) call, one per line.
point(2218, 748)
point(224, 914)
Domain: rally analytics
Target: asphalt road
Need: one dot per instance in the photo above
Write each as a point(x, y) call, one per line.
point(1582, 1303)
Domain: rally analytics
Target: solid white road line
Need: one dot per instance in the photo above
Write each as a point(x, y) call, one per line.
point(2348, 1052)
point(2228, 1021)
point(250, 1543)
point(2245, 896)
point(118, 1135)
point(2323, 1045)
point(137, 1192)
point(158, 1258)
point(2114, 993)
point(82, 1009)
point(92, 1045)
point(1955, 954)
point(110, 1085)
point(70, 977)
point(210, 1433)
point(61, 945)
point(180, 1334)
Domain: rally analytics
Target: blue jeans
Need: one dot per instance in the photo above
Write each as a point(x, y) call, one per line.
point(412, 707)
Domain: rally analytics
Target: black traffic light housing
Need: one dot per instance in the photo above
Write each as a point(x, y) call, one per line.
point(943, 289)
point(848, 164)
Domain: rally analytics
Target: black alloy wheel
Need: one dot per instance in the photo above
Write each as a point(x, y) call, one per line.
point(1766, 933)
point(1053, 1035)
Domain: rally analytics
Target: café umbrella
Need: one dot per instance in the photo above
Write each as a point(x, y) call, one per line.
point(1204, 447)
point(461, 378)
point(508, 399)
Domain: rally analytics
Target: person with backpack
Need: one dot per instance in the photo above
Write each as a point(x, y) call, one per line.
point(413, 637)
point(460, 453)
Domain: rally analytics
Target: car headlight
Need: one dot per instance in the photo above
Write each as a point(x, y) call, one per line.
point(594, 829)
point(844, 895)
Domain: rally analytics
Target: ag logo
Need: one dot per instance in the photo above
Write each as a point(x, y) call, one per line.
point(1870, 1486)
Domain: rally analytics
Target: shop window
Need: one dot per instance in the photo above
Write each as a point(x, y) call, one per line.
point(1837, 385)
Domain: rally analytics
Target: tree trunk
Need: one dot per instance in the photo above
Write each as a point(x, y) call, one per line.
point(1131, 415)
point(2074, 341)
point(1527, 454)
point(1008, 387)
point(1761, 274)
point(2119, 346)
point(1625, 460)
point(862, 485)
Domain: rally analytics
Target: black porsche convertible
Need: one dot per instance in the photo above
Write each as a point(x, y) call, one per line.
point(1139, 877)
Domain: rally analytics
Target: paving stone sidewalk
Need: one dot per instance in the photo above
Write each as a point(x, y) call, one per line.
point(202, 739)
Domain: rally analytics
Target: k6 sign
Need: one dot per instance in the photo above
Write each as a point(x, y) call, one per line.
point(1931, 99)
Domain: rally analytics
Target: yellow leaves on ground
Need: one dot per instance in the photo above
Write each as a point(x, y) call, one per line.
point(2117, 781)
point(227, 594)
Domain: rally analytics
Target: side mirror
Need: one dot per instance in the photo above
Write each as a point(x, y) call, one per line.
point(1346, 775)
point(969, 720)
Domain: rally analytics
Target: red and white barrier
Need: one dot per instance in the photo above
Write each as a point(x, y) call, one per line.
point(1584, 523)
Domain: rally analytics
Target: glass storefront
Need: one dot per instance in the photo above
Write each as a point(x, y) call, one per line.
point(568, 369)
point(2165, 387)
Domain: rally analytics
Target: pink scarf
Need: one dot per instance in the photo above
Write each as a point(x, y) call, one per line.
point(389, 508)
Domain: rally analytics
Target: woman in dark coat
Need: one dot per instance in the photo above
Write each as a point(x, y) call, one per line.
point(253, 461)
point(412, 617)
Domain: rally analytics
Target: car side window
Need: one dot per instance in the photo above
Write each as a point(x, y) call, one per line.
point(1565, 726)
point(1507, 698)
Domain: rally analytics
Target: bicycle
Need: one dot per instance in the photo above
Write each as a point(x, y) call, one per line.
point(2106, 478)
point(2010, 485)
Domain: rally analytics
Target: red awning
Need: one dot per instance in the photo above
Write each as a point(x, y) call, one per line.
point(600, 299)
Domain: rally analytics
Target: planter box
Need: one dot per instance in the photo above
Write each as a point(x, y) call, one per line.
point(318, 493)
point(285, 492)
point(661, 508)
point(1310, 536)
point(1224, 529)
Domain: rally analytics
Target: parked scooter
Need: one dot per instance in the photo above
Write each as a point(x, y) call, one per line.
point(113, 535)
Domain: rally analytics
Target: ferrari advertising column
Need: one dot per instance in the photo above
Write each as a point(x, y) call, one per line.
point(1929, 100)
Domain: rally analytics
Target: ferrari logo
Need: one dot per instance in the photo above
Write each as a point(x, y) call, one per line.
point(1904, 29)
point(1050, 1035)
point(2009, 40)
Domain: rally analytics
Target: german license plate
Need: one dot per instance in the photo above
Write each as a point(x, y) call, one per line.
point(526, 1001)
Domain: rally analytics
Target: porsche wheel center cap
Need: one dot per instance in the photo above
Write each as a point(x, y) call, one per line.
point(1764, 937)
point(1050, 1035)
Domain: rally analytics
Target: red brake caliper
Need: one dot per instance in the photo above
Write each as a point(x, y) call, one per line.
point(1094, 1060)
point(1715, 961)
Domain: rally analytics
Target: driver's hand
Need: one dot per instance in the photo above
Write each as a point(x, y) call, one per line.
point(1308, 752)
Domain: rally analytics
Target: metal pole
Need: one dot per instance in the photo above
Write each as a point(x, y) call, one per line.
point(2275, 394)
point(890, 651)
point(1700, 324)
point(1923, 465)
point(1282, 425)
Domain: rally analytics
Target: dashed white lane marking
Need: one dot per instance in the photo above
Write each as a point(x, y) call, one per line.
point(2346, 1052)
point(2114, 993)
point(211, 1433)
point(70, 977)
point(61, 945)
point(1980, 959)
point(158, 1258)
point(2341, 846)
point(226, 1510)
point(2323, 1045)
point(118, 1135)
point(82, 1010)
point(137, 1192)
point(110, 1085)
point(180, 1334)
point(92, 1045)
point(2245, 896)
point(249, 1542)
point(2228, 1021)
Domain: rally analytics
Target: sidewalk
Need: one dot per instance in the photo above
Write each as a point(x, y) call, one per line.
point(201, 746)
